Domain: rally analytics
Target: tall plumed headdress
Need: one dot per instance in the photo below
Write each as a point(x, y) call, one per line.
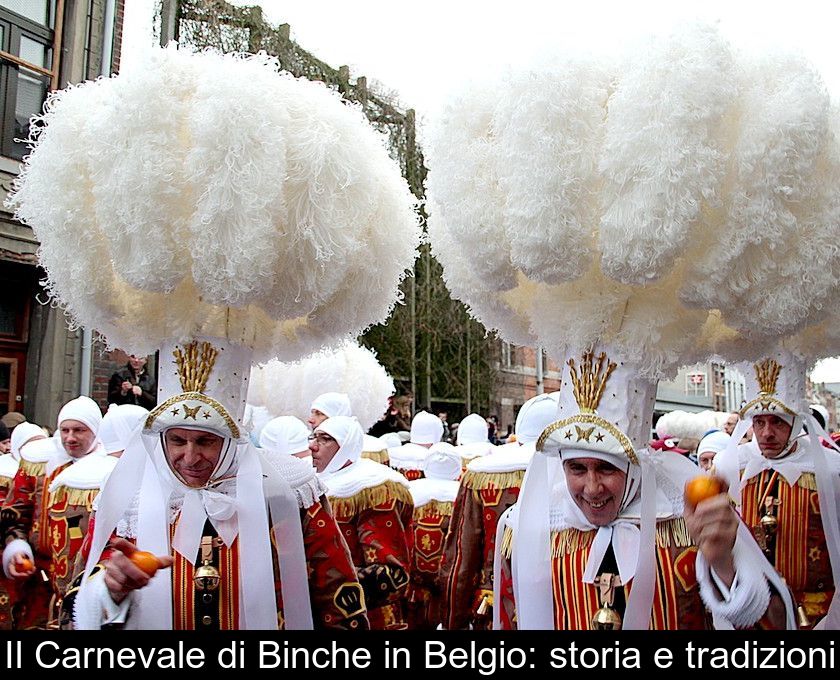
point(290, 388)
point(212, 196)
point(673, 204)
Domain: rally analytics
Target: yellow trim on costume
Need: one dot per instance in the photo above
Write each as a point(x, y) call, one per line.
point(590, 419)
point(435, 508)
point(33, 469)
point(377, 456)
point(74, 496)
point(673, 532)
point(370, 498)
point(195, 396)
point(764, 401)
point(669, 532)
point(807, 480)
point(5, 481)
point(507, 543)
point(479, 481)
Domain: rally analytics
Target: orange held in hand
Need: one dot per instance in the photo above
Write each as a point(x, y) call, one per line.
point(145, 561)
point(26, 565)
point(703, 487)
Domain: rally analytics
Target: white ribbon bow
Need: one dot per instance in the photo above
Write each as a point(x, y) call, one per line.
point(199, 506)
point(624, 537)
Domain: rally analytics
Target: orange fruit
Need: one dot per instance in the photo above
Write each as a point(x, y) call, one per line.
point(145, 561)
point(703, 487)
point(26, 564)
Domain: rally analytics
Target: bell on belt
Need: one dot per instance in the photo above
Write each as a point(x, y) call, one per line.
point(765, 531)
point(206, 578)
point(606, 618)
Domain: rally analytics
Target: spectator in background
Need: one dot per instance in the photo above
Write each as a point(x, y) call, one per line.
point(133, 385)
point(731, 422)
point(12, 419)
point(492, 427)
point(5, 439)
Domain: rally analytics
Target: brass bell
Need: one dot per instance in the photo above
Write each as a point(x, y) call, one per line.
point(769, 523)
point(606, 618)
point(206, 578)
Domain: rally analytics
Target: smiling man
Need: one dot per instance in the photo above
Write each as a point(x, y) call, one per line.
point(601, 538)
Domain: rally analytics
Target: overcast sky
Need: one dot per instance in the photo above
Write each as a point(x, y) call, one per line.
point(425, 49)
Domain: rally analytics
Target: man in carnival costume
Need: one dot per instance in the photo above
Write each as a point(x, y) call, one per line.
point(373, 507)
point(598, 538)
point(36, 533)
point(489, 487)
point(786, 486)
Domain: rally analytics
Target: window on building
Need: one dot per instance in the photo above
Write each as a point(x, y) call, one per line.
point(696, 384)
point(26, 67)
point(507, 354)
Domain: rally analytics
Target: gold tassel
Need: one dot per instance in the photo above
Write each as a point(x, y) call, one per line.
point(377, 456)
point(570, 540)
point(807, 480)
point(74, 496)
point(673, 531)
point(33, 469)
point(479, 481)
point(507, 543)
point(433, 508)
point(370, 498)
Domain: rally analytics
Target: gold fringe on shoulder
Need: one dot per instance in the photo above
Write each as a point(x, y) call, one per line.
point(75, 496)
point(807, 480)
point(507, 543)
point(570, 540)
point(478, 481)
point(33, 469)
point(673, 532)
point(377, 456)
point(436, 508)
point(5, 481)
point(370, 498)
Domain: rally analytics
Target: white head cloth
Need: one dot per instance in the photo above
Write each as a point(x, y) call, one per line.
point(118, 424)
point(85, 411)
point(471, 430)
point(285, 435)
point(23, 433)
point(716, 441)
point(426, 428)
point(332, 404)
point(348, 433)
point(535, 415)
point(442, 462)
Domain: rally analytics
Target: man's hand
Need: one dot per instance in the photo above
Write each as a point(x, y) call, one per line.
point(21, 567)
point(125, 388)
point(122, 575)
point(713, 526)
